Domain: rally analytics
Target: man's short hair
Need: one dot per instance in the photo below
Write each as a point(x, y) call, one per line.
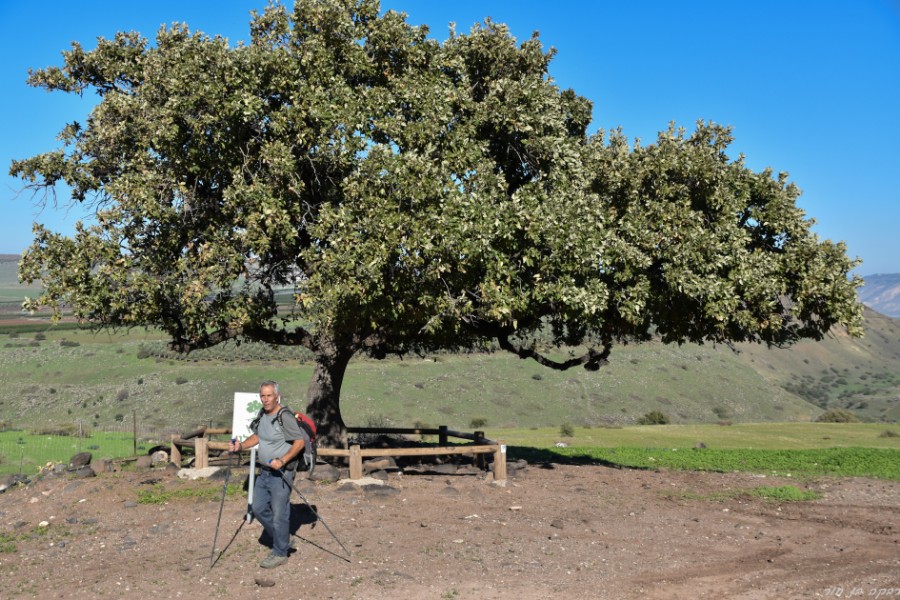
point(270, 383)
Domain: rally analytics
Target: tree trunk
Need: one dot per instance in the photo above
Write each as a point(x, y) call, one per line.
point(323, 397)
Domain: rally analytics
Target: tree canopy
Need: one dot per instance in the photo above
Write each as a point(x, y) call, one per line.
point(411, 195)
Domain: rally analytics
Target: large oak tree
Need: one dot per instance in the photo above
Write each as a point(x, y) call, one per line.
point(412, 195)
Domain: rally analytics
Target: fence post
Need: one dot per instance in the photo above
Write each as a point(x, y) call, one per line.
point(500, 462)
point(355, 462)
point(479, 458)
point(201, 453)
point(134, 429)
point(442, 435)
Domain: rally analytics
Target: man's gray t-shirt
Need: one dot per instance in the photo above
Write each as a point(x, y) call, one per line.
point(275, 435)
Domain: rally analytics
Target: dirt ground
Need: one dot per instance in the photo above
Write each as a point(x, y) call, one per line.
point(554, 531)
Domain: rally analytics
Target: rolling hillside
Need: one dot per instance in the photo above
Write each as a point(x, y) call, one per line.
point(63, 375)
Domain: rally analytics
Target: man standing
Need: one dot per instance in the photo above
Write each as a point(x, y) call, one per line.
point(281, 442)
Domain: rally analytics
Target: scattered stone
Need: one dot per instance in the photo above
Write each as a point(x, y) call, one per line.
point(159, 457)
point(130, 504)
point(72, 486)
point(72, 520)
point(382, 475)
point(193, 474)
point(362, 482)
point(380, 491)
point(85, 471)
point(143, 463)
point(82, 459)
point(515, 508)
point(90, 521)
point(44, 524)
point(556, 523)
point(264, 582)
point(383, 463)
point(172, 468)
point(561, 445)
point(449, 491)
point(445, 469)
point(104, 465)
point(325, 472)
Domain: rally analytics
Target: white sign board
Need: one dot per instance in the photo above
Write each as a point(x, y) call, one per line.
point(246, 407)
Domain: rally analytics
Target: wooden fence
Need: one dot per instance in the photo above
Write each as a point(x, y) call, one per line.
point(202, 444)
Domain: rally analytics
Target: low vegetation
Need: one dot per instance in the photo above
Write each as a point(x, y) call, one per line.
point(843, 462)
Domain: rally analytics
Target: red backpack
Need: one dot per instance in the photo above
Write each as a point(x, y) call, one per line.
point(306, 424)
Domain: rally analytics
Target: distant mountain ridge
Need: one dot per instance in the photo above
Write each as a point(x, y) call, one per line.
point(882, 293)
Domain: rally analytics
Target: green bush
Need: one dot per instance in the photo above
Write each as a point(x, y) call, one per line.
point(837, 415)
point(477, 422)
point(567, 430)
point(654, 417)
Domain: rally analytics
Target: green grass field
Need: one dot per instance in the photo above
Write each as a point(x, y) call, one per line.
point(25, 452)
point(767, 436)
point(796, 449)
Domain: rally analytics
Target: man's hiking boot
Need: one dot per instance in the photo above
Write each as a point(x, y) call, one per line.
point(272, 561)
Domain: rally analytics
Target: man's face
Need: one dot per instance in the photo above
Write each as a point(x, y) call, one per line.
point(268, 398)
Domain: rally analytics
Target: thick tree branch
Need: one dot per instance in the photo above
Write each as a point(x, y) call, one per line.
point(592, 359)
point(277, 337)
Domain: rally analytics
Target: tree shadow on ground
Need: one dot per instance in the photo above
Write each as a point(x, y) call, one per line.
point(546, 458)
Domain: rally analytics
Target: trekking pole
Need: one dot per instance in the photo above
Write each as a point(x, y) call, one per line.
point(212, 553)
point(250, 483)
point(316, 514)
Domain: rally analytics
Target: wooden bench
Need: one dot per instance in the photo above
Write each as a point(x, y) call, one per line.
point(201, 444)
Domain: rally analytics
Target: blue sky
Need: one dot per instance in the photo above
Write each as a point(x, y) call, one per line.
point(812, 87)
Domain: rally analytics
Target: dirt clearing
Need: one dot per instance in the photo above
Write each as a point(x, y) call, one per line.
point(554, 531)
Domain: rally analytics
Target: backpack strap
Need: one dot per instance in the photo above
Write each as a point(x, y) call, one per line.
point(309, 448)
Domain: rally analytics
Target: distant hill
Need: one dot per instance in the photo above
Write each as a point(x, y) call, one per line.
point(882, 292)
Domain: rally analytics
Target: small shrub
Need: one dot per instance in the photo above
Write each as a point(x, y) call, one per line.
point(180, 381)
point(40, 337)
point(888, 433)
point(69, 344)
point(837, 415)
point(122, 395)
point(120, 417)
point(654, 417)
point(477, 422)
point(567, 430)
point(537, 377)
point(140, 381)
